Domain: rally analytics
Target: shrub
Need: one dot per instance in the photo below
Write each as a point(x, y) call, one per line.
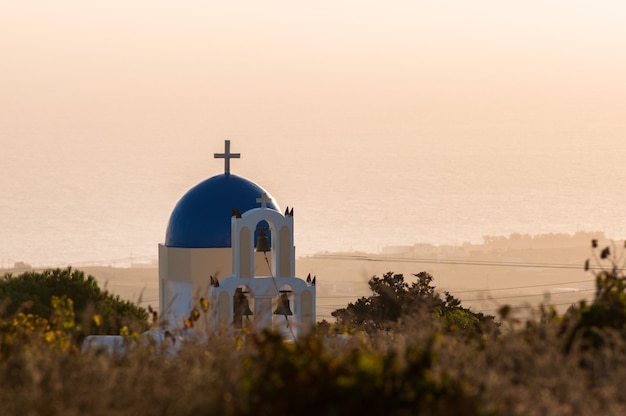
point(394, 299)
point(32, 293)
point(27, 331)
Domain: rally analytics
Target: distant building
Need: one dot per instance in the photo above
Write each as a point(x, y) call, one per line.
point(228, 261)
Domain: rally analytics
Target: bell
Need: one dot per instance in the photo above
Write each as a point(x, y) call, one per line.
point(283, 306)
point(241, 307)
point(248, 311)
point(241, 310)
point(262, 242)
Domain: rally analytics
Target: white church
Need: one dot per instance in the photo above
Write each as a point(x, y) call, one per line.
point(228, 261)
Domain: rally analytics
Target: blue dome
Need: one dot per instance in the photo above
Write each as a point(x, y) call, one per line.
point(201, 219)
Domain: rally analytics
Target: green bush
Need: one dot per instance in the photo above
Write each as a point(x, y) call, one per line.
point(585, 322)
point(32, 293)
point(394, 299)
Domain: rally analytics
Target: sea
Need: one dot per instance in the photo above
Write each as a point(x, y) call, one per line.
point(103, 194)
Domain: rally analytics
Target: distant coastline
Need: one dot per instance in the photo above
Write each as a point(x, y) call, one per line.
point(490, 244)
point(522, 270)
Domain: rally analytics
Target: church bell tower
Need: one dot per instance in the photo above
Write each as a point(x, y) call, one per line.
point(228, 242)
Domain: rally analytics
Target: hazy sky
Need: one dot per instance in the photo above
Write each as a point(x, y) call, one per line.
point(335, 62)
point(470, 115)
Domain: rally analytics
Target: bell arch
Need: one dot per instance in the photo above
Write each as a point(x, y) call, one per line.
point(263, 235)
point(279, 231)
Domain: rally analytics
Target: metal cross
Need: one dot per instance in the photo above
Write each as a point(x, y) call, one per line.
point(227, 156)
point(264, 200)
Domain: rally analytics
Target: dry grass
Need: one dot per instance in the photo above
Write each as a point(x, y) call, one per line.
point(415, 369)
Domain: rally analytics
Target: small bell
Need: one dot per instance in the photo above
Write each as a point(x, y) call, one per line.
point(248, 311)
point(262, 242)
point(283, 306)
point(241, 307)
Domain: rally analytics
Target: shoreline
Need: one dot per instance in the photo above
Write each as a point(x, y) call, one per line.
point(520, 270)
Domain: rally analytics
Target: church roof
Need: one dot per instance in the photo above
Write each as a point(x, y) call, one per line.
point(201, 218)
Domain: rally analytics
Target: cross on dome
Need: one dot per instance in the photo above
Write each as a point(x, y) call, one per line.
point(263, 200)
point(227, 156)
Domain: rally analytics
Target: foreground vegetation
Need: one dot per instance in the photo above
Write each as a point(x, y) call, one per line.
point(32, 295)
point(405, 350)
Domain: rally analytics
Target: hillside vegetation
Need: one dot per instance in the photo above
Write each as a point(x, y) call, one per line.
point(404, 350)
